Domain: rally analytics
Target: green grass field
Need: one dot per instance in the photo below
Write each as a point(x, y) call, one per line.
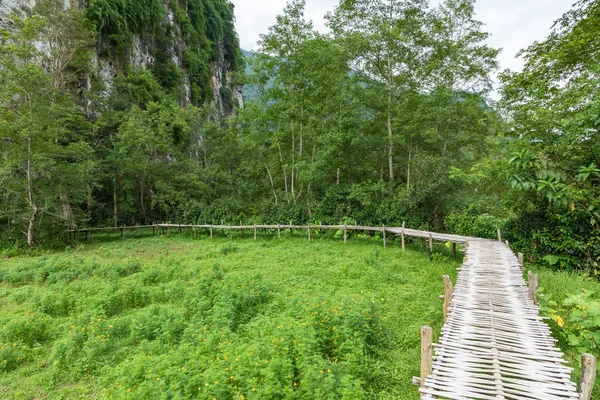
point(178, 318)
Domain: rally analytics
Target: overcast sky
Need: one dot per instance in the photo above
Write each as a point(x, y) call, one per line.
point(514, 24)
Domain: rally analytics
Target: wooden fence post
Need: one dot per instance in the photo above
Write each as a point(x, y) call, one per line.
point(499, 235)
point(195, 235)
point(320, 230)
point(587, 377)
point(403, 243)
point(345, 232)
point(430, 247)
point(533, 286)
point(153, 227)
point(122, 231)
point(426, 353)
point(230, 234)
point(384, 241)
point(291, 230)
point(278, 232)
point(448, 290)
point(454, 251)
point(507, 243)
point(254, 231)
point(309, 231)
point(211, 235)
point(520, 256)
point(355, 230)
point(179, 229)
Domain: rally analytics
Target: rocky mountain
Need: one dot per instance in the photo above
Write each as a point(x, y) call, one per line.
point(190, 46)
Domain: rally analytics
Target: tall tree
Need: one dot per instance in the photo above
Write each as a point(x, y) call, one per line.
point(386, 42)
point(43, 148)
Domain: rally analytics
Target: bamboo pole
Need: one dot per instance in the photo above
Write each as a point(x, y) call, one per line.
point(533, 286)
point(403, 243)
point(426, 353)
point(587, 377)
point(448, 291)
point(430, 247)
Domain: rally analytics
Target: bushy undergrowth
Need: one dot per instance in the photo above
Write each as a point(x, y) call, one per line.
point(204, 320)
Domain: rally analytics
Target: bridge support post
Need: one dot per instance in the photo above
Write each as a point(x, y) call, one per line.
point(426, 353)
point(448, 291)
point(533, 287)
point(403, 243)
point(520, 256)
point(430, 247)
point(587, 377)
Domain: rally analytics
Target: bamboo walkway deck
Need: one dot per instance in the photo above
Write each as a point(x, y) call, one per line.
point(494, 344)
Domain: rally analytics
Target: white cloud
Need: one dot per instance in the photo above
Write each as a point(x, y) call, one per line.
point(514, 24)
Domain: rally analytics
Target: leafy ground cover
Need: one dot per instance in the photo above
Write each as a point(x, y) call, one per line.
point(572, 301)
point(176, 318)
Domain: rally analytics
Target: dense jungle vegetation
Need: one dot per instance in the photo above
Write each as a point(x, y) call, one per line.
point(387, 118)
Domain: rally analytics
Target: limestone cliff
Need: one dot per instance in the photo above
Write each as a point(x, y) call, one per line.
point(190, 46)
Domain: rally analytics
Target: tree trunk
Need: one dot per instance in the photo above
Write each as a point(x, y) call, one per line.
point(90, 200)
point(389, 120)
point(142, 199)
point(30, 196)
point(115, 214)
point(293, 161)
point(285, 181)
point(272, 184)
point(408, 170)
point(437, 222)
point(31, 227)
point(67, 210)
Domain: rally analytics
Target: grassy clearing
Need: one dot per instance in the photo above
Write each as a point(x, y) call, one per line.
point(160, 317)
point(560, 285)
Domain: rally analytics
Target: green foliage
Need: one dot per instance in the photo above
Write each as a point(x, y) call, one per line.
point(473, 223)
point(203, 319)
